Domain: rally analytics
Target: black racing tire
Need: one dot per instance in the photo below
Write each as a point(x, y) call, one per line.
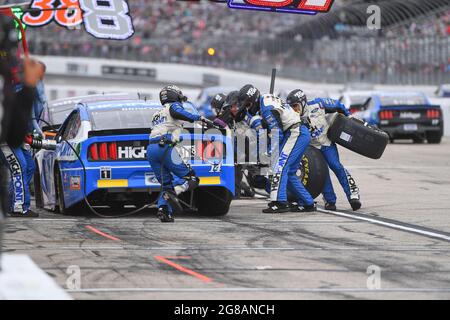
point(213, 201)
point(434, 137)
point(38, 189)
point(312, 172)
point(59, 195)
point(354, 135)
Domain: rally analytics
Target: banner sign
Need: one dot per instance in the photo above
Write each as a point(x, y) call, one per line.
point(103, 19)
point(287, 6)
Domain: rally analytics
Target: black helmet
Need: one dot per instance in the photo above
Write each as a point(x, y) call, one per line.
point(297, 96)
point(217, 102)
point(170, 94)
point(249, 99)
point(232, 99)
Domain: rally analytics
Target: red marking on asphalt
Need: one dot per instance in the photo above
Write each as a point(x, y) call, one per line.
point(181, 268)
point(102, 233)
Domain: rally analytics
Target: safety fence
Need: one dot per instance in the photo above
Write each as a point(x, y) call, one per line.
point(406, 60)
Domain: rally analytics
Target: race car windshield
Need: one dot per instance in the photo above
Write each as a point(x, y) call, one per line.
point(402, 100)
point(121, 118)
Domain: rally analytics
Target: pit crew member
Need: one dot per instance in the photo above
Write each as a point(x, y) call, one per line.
point(314, 111)
point(294, 137)
point(20, 159)
point(163, 157)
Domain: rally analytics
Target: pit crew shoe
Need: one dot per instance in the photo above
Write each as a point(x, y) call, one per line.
point(330, 206)
point(164, 215)
point(311, 208)
point(28, 214)
point(276, 207)
point(356, 204)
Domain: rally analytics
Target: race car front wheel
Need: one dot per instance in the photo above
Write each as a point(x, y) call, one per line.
point(38, 189)
point(59, 194)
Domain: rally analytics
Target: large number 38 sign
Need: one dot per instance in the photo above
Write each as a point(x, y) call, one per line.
point(294, 6)
point(105, 19)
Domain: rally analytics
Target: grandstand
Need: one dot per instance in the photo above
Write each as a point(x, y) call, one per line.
point(412, 47)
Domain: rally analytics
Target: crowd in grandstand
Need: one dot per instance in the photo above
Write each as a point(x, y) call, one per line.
point(182, 31)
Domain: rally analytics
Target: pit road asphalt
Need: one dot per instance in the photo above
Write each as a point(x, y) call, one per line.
point(402, 232)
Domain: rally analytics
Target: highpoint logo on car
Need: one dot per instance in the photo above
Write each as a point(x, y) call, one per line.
point(131, 152)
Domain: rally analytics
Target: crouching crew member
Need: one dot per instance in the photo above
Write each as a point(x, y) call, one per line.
point(162, 154)
point(314, 111)
point(294, 137)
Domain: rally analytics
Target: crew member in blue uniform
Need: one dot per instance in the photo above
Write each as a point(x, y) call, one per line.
point(315, 112)
point(294, 138)
point(162, 154)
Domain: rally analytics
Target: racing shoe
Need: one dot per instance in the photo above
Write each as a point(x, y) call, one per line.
point(27, 214)
point(277, 207)
point(164, 215)
point(330, 206)
point(301, 208)
point(172, 200)
point(356, 204)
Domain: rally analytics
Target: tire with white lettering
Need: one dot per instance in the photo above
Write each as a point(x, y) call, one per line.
point(312, 172)
point(213, 201)
point(354, 135)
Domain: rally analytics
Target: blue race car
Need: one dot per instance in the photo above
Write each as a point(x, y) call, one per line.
point(111, 168)
point(405, 115)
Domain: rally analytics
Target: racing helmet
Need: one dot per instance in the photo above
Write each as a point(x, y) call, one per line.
point(170, 94)
point(297, 97)
point(232, 99)
point(217, 102)
point(249, 99)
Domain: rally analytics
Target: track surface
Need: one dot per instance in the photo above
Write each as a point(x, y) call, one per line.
point(248, 255)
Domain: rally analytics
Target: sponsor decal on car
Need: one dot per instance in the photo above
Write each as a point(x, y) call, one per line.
point(410, 115)
point(105, 173)
point(75, 183)
point(129, 152)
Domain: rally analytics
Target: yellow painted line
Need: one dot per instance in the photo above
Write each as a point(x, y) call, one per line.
point(206, 181)
point(112, 183)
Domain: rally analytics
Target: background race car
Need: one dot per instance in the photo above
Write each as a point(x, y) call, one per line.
point(405, 115)
point(101, 154)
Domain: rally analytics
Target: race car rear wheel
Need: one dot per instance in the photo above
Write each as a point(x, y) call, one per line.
point(213, 201)
point(312, 172)
point(434, 137)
